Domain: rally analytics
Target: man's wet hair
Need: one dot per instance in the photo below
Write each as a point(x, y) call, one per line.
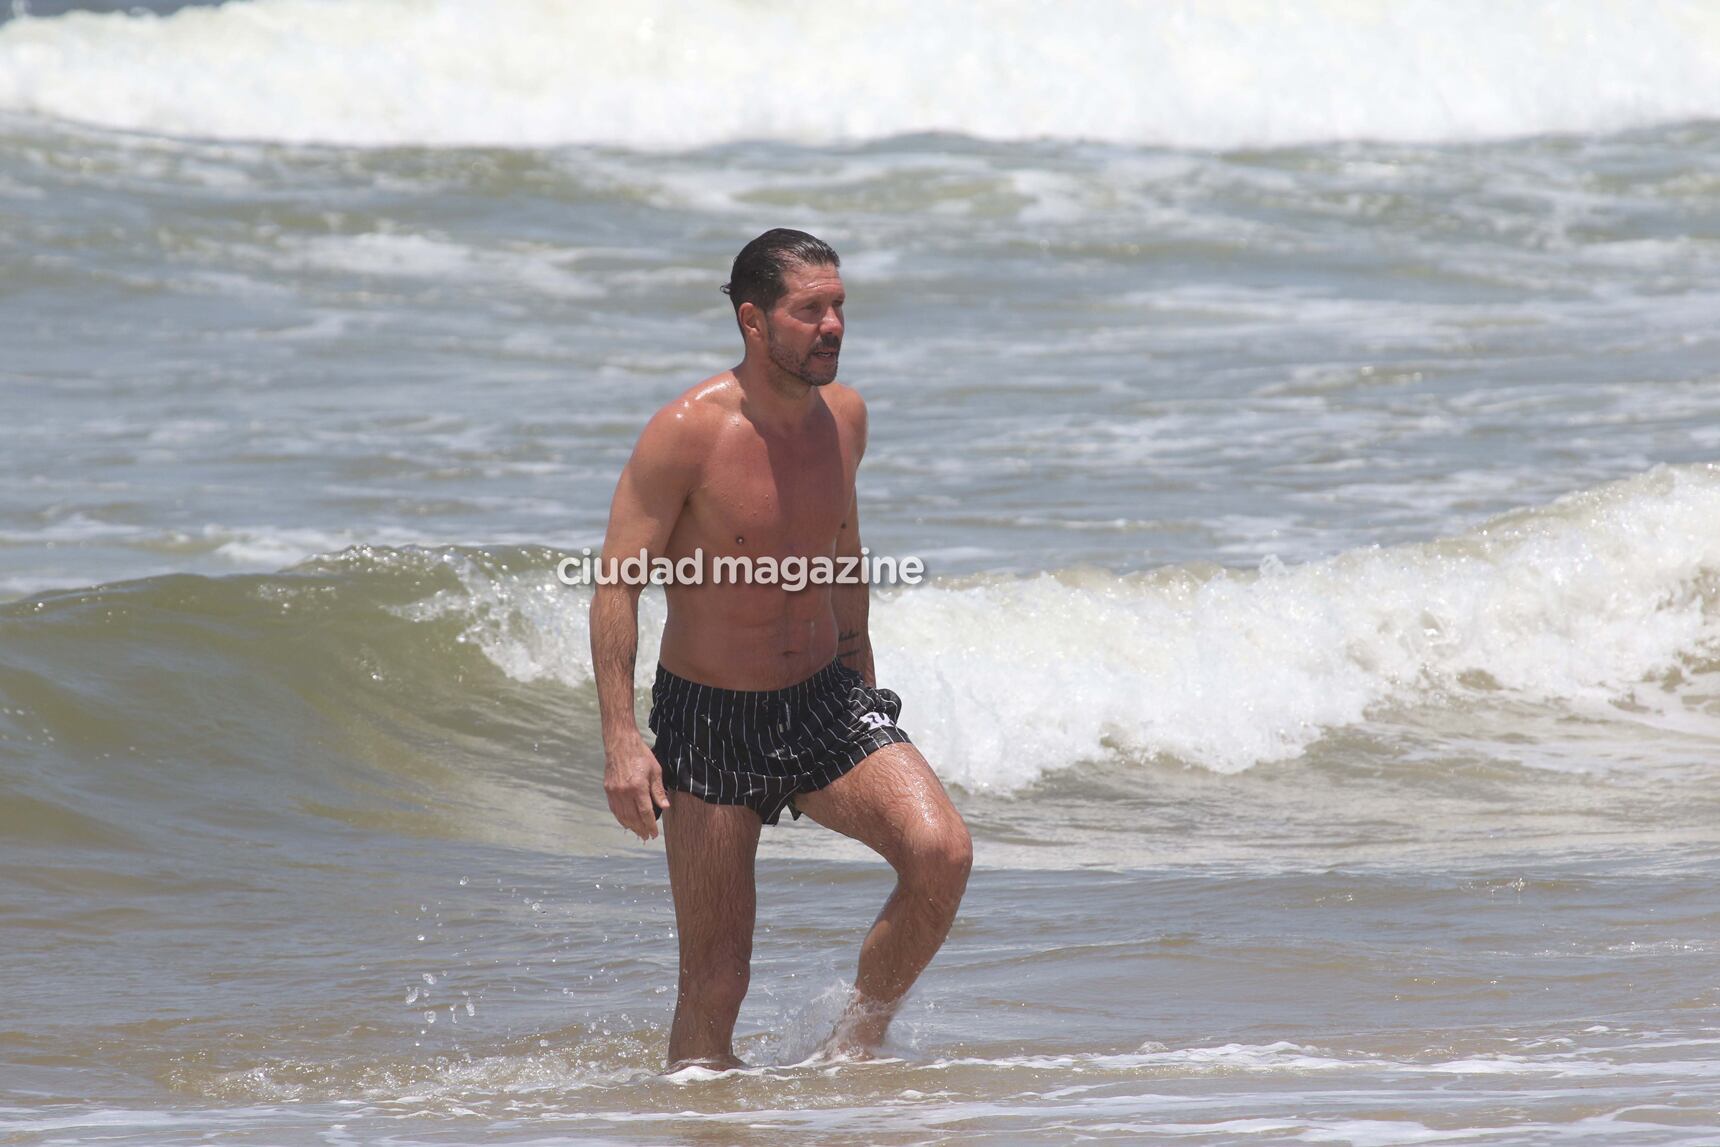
point(756, 277)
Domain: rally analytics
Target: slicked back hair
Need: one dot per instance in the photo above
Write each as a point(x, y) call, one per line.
point(756, 277)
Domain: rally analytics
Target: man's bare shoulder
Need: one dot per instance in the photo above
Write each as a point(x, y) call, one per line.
point(846, 405)
point(694, 417)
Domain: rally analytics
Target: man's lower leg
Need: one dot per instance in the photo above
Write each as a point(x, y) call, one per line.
point(704, 1026)
point(902, 941)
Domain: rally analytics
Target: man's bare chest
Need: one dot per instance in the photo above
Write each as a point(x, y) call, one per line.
point(776, 499)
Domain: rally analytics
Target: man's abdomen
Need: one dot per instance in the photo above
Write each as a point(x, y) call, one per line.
point(748, 637)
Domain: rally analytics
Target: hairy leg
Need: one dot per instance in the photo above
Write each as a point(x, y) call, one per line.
point(710, 849)
point(893, 803)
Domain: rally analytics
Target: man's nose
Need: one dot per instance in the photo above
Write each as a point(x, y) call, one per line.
point(831, 323)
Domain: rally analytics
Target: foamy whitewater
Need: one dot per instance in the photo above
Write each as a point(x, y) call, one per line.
point(1308, 416)
point(1224, 73)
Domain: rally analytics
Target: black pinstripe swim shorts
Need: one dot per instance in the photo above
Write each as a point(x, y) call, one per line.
point(760, 748)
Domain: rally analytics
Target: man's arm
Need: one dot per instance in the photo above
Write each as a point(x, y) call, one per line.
point(852, 603)
point(648, 498)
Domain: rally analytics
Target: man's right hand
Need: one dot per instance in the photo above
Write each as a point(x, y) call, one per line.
point(633, 782)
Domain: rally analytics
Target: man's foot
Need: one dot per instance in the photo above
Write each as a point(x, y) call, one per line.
point(835, 1051)
point(859, 1033)
point(708, 1063)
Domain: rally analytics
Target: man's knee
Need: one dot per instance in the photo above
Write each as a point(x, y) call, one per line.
point(938, 859)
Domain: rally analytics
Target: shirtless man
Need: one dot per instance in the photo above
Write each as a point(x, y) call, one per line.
point(765, 699)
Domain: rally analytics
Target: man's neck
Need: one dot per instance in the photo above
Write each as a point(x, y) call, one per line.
point(774, 399)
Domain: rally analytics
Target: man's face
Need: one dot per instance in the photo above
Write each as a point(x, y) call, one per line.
point(804, 329)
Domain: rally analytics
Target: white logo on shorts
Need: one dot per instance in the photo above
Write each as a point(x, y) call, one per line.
point(876, 720)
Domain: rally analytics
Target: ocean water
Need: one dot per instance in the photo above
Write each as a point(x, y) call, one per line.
point(1309, 417)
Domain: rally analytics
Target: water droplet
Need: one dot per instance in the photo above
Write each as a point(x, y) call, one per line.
point(429, 1017)
point(420, 937)
point(463, 882)
point(429, 978)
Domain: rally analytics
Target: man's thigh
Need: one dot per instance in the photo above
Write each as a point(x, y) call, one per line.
point(711, 849)
point(891, 802)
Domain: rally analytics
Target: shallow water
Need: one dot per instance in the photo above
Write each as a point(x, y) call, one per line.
point(1348, 486)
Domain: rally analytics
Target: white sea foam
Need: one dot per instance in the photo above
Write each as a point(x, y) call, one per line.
point(1579, 601)
point(661, 74)
point(272, 547)
point(408, 256)
point(1006, 679)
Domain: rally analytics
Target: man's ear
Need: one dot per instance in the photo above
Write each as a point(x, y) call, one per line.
point(751, 320)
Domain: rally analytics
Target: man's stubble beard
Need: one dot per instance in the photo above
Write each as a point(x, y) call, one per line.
point(799, 369)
